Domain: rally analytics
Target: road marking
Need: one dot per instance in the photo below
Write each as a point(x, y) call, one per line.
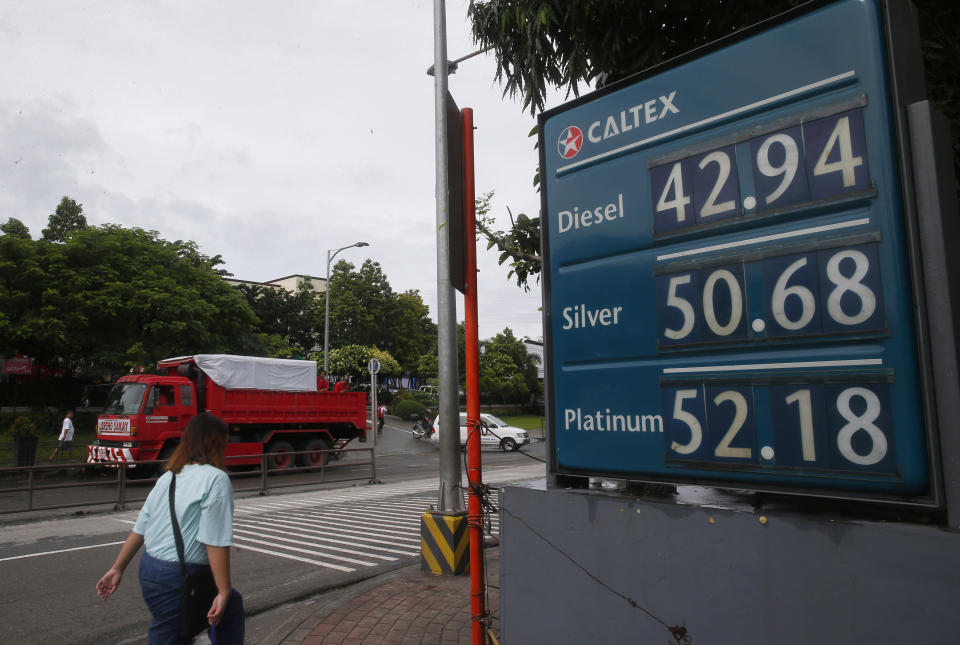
point(337, 523)
point(357, 535)
point(324, 537)
point(265, 533)
point(76, 548)
point(288, 556)
point(325, 554)
point(378, 519)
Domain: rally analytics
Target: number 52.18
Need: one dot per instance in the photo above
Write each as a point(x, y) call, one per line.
point(814, 426)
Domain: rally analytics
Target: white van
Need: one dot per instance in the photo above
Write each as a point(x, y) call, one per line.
point(494, 433)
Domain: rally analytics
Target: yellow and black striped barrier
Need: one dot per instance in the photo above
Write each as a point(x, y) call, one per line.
point(444, 542)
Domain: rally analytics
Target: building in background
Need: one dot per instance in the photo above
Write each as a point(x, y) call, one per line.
point(289, 283)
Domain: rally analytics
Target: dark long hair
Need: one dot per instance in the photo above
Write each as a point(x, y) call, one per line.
point(204, 441)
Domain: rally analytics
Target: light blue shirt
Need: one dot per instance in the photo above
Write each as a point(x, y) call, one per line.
point(204, 504)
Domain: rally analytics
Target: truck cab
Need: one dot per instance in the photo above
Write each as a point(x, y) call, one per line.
point(142, 413)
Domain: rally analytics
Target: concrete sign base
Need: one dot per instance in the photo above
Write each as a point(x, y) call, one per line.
point(713, 564)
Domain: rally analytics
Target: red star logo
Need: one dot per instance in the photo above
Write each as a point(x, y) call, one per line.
point(570, 141)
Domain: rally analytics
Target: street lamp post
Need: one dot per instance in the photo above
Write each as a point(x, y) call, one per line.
point(326, 315)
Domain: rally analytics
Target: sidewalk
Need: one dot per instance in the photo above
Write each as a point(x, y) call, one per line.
point(404, 607)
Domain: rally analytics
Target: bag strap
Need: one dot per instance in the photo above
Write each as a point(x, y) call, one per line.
point(176, 525)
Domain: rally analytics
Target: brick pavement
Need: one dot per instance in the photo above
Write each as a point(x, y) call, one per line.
point(405, 607)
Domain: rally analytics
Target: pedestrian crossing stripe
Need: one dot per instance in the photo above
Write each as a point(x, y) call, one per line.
point(443, 543)
point(334, 530)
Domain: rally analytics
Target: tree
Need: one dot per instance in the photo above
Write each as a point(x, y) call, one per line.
point(366, 311)
point(291, 324)
point(413, 333)
point(571, 44)
point(362, 303)
point(110, 298)
point(65, 221)
point(15, 228)
point(352, 360)
point(507, 369)
point(427, 366)
point(28, 322)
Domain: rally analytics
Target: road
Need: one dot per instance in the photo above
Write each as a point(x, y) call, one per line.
point(398, 453)
point(288, 545)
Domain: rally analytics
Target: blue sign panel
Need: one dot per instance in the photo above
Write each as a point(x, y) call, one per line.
point(728, 293)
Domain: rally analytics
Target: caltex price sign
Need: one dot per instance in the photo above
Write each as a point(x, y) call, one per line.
point(728, 292)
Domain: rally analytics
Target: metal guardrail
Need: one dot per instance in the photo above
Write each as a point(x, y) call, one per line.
point(36, 474)
point(45, 448)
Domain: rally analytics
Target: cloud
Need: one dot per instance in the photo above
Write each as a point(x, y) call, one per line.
point(47, 153)
point(267, 135)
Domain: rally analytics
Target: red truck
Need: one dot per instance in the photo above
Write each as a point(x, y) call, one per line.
point(270, 405)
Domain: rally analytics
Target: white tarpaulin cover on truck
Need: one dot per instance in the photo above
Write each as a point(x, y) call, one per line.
point(255, 373)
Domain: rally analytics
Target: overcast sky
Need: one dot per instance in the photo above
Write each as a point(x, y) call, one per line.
point(265, 132)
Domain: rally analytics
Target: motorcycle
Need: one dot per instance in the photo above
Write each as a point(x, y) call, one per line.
point(422, 429)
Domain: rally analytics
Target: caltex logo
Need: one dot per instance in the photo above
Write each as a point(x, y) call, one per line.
point(570, 141)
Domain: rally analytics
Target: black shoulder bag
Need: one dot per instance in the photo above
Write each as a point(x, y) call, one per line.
point(199, 588)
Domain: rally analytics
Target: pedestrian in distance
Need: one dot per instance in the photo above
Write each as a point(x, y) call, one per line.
point(323, 385)
point(381, 417)
point(65, 440)
point(203, 499)
point(341, 386)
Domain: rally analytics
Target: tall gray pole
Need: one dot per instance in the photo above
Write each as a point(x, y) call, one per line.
point(450, 498)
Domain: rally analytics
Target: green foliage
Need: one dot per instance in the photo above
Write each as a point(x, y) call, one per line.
point(508, 373)
point(388, 364)
point(352, 360)
point(288, 324)
point(365, 311)
point(65, 221)
point(519, 245)
point(427, 366)
point(428, 399)
point(570, 44)
point(274, 346)
point(412, 332)
point(524, 421)
point(109, 298)
point(407, 408)
point(105, 299)
point(15, 228)
point(22, 426)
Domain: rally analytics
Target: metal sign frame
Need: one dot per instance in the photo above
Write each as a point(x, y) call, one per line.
point(905, 74)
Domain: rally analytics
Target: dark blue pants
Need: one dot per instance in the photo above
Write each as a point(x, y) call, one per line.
point(160, 583)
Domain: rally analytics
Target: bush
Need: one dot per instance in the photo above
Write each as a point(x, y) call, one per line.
point(33, 424)
point(23, 427)
point(408, 408)
point(425, 398)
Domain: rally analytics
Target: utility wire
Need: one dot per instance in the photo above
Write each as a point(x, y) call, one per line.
point(679, 632)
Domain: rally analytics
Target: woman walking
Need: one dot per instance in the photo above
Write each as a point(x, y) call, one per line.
point(204, 510)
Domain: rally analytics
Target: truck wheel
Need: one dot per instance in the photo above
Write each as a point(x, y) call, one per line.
point(316, 458)
point(282, 460)
point(508, 444)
